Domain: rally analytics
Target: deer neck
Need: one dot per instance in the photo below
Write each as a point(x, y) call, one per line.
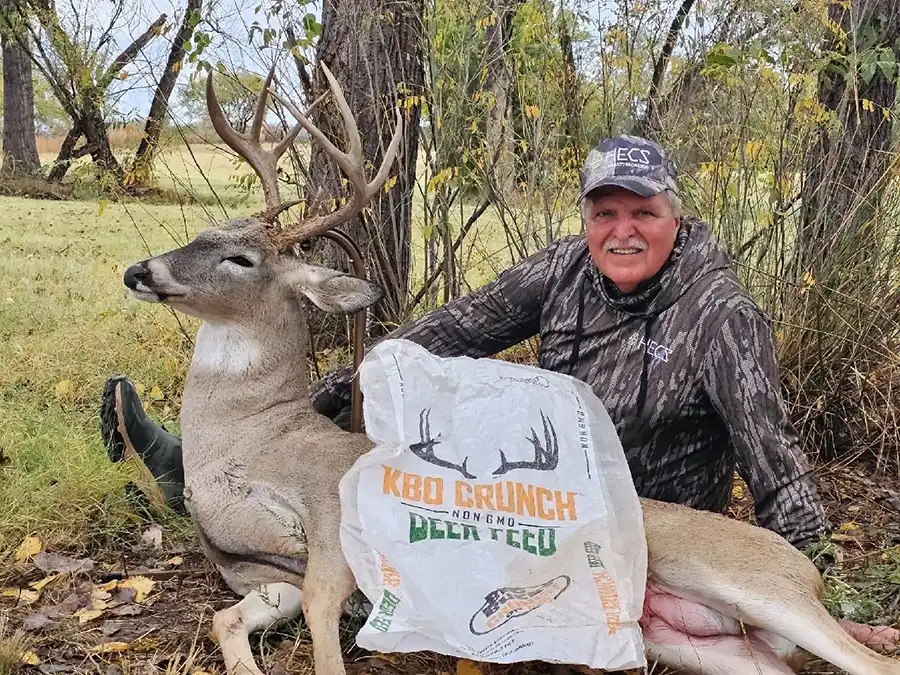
point(246, 377)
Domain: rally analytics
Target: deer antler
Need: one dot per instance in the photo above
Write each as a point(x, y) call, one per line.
point(351, 163)
point(248, 146)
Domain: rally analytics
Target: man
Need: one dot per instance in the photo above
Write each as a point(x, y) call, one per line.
point(646, 308)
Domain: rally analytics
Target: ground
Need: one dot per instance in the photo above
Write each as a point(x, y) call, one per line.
point(66, 324)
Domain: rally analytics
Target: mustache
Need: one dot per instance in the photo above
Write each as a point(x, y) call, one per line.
point(631, 242)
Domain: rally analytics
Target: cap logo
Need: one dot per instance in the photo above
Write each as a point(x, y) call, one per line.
point(633, 156)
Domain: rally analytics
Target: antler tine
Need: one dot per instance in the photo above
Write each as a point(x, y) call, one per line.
point(351, 162)
point(264, 163)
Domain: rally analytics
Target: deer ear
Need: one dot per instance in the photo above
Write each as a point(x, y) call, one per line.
point(334, 292)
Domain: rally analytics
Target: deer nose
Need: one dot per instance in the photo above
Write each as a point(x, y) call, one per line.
point(135, 274)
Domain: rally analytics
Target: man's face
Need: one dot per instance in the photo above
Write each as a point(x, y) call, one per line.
point(629, 236)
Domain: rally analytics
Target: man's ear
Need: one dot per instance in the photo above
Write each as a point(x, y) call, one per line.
point(332, 291)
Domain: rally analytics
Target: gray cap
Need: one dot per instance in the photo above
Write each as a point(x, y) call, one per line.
point(629, 162)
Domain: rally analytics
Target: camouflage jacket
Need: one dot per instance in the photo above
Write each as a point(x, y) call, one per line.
point(685, 366)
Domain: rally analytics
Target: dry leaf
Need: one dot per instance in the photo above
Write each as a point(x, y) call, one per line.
point(36, 621)
point(142, 586)
point(109, 585)
point(109, 647)
point(153, 536)
point(30, 546)
point(84, 615)
point(23, 595)
point(126, 610)
point(466, 667)
point(156, 394)
point(51, 562)
point(29, 658)
point(174, 562)
point(64, 389)
point(38, 585)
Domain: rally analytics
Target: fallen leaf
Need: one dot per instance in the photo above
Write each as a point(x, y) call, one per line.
point(109, 585)
point(36, 621)
point(84, 615)
point(63, 389)
point(38, 585)
point(29, 658)
point(110, 627)
point(23, 595)
point(123, 596)
point(153, 536)
point(466, 667)
point(174, 562)
point(142, 586)
point(109, 647)
point(126, 610)
point(848, 526)
point(156, 394)
point(51, 562)
point(30, 546)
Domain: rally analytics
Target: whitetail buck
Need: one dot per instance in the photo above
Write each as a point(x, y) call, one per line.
point(262, 467)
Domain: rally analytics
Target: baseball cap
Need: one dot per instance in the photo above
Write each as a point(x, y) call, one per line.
point(629, 162)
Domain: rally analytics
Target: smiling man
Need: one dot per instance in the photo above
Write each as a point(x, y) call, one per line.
point(646, 308)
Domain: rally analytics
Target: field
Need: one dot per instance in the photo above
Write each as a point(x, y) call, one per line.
point(67, 324)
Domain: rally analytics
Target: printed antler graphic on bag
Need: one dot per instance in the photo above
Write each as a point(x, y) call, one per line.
point(546, 456)
point(425, 449)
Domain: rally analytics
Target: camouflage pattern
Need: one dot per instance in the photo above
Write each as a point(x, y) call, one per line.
point(686, 368)
point(630, 162)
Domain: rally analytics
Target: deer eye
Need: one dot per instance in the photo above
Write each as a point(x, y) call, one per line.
point(240, 260)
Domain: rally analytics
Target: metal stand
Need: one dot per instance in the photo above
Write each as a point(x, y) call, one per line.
point(359, 327)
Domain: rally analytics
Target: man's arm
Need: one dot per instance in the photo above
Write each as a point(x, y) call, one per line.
point(740, 374)
point(496, 316)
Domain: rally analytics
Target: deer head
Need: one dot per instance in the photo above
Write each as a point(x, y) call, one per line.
point(245, 270)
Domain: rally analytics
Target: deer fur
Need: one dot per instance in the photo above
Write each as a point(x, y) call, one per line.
point(262, 467)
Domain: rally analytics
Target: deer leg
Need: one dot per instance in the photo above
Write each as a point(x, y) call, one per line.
point(328, 584)
point(258, 609)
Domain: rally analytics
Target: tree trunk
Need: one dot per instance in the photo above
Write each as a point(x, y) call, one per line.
point(373, 49)
point(499, 84)
point(143, 157)
point(845, 168)
point(20, 155)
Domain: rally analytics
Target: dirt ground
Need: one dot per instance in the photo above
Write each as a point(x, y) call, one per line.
point(145, 604)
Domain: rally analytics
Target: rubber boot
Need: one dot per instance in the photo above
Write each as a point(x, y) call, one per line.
point(130, 435)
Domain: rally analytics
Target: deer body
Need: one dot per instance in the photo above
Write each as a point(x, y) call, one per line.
point(262, 468)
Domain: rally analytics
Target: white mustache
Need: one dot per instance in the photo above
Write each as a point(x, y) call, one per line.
point(630, 243)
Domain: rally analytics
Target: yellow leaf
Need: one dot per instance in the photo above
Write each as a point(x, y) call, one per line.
point(868, 105)
point(176, 67)
point(177, 560)
point(737, 492)
point(109, 647)
point(109, 585)
point(23, 595)
point(848, 526)
point(101, 206)
point(84, 615)
point(466, 667)
point(141, 585)
point(532, 111)
point(64, 389)
point(156, 394)
point(38, 585)
point(140, 388)
point(389, 183)
point(29, 658)
point(30, 546)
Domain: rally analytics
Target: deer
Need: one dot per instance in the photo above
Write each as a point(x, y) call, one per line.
point(262, 466)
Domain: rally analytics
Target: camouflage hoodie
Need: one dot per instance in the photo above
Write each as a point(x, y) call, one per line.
point(686, 367)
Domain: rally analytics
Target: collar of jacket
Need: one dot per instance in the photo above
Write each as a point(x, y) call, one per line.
point(695, 254)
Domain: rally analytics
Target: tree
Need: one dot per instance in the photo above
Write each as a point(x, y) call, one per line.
point(237, 94)
point(846, 167)
point(20, 155)
point(374, 50)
